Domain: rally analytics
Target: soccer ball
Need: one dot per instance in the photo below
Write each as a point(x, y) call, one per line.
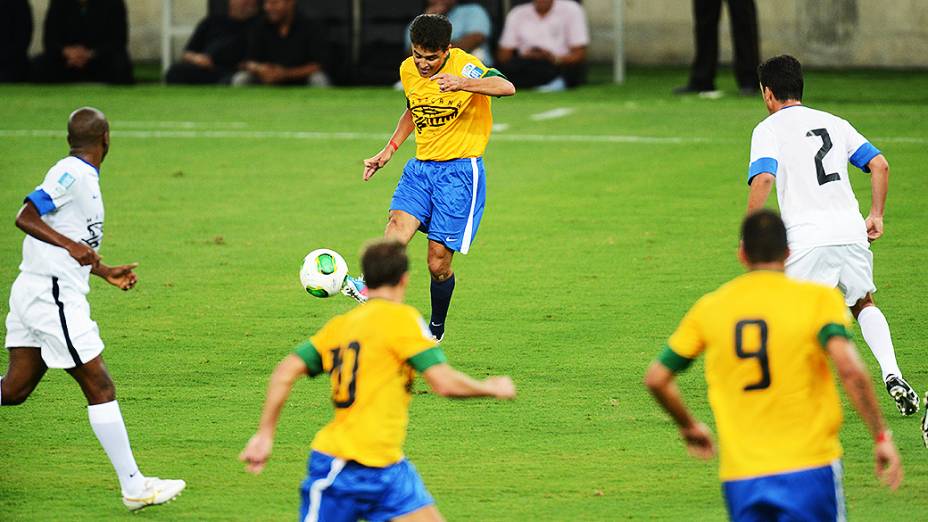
point(323, 272)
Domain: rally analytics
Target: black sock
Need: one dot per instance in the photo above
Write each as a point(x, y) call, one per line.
point(441, 299)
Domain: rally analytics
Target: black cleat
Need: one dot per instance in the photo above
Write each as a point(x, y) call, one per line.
point(905, 397)
point(925, 422)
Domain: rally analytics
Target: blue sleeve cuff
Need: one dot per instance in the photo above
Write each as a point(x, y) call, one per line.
point(864, 154)
point(762, 165)
point(42, 201)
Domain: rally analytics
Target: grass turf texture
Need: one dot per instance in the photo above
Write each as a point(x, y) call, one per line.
point(588, 256)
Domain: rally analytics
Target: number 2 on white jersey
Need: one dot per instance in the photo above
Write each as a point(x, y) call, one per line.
point(820, 155)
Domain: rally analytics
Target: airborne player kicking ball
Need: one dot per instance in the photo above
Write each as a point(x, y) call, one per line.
point(442, 190)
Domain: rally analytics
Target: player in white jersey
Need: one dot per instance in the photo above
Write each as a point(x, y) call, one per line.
point(49, 324)
point(806, 152)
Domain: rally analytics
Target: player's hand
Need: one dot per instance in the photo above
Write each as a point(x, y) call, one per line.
point(874, 228)
point(888, 464)
point(122, 276)
point(448, 82)
point(373, 164)
point(502, 387)
point(256, 453)
point(699, 443)
point(83, 254)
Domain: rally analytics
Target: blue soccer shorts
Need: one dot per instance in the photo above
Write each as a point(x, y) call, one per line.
point(815, 494)
point(336, 490)
point(447, 197)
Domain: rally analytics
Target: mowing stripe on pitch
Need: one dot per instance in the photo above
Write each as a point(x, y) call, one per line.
point(370, 136)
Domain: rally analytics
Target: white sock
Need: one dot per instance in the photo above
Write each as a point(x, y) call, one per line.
point(875, 330)
point(106, 421)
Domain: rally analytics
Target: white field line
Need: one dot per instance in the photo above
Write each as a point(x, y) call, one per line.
point(500, 127)
point(372, 136)
point(560, 112)
point(179, 124)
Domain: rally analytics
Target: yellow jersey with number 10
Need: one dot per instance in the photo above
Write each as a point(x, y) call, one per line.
point(448, 125)
point(370, 354)
point(771, 390)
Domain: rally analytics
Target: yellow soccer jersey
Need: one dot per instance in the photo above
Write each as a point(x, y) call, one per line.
point(449, 125)
point(771, 390)
point(370, 354)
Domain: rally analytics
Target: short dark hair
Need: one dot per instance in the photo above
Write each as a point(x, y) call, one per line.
point(431, 32)
point(764, 237)
point(783, 76)
point(384, 262)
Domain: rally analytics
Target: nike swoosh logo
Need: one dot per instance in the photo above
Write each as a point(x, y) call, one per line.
point(450, 239)
point(437, 324)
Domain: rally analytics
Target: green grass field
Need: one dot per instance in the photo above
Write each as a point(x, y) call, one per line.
point(593, 245)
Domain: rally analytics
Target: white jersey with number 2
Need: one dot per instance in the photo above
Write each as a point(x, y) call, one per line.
point(808, 151)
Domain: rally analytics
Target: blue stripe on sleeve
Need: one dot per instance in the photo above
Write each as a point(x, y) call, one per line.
point(864, 154)
point(762, 165)
point(42, 201)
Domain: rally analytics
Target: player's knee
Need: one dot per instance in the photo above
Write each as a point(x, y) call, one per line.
point(102, 390)
point(861, 304)
point(440, 269)
point(13, 397)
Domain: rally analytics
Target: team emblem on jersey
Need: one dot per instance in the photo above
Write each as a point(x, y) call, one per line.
point(66, 180)
point(432, 116)
point(472, 71)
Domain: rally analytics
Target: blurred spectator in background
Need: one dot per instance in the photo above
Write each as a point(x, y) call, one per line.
point(470, 27)
point(15, 37)
point(283, 49)
point(544, 45)
point(85, 41)
point(217, 47)
point(743, 15)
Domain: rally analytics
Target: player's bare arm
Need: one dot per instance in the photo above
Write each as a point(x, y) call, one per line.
point(761, 185)
point(448, 382)
point(29, 221)
point(879, 186)
point(404, 128)
point(859, 390)
point(258, 450)
point(662, 384)
point(490, 86)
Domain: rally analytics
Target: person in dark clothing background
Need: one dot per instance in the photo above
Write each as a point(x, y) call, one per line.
point(284, 48)
point(85, 41)
point(217, 46)
point(15, 37)
point(744, 34)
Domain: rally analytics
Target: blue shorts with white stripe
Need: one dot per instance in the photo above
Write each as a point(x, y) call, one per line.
point(815, 494)
point(336, 490)
point(447, 197)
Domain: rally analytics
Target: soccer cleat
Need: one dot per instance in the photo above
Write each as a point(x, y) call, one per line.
point(906, 399)
point(355, 288)
point(925, 422)
point(157, 491)
point(438, 331)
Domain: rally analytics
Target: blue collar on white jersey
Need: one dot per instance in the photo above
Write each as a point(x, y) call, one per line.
point(95, 169)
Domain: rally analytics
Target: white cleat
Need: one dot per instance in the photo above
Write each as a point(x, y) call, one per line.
point(157, 491)
point(355, 288)
point(925, 422)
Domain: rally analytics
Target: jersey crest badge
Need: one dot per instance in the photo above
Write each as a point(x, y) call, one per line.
point(472, 71)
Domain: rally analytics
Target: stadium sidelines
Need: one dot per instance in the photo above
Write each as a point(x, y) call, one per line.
point(363, 136)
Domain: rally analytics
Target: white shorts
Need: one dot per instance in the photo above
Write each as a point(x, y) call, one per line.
point(848, 267)
point(53, 317)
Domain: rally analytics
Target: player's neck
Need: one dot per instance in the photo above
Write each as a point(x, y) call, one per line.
point(778, 105)
point(388, 293)
point(776, 266)
point(92, 157)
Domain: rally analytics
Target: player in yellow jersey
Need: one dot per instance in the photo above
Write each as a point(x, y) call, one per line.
point(767, 340)
point(442, 190)
point(356, 469)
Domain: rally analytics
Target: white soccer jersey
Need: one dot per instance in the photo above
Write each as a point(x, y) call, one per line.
point(808, 152)
point(70, 202)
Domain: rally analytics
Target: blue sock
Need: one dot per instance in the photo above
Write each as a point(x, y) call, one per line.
point(441, 299)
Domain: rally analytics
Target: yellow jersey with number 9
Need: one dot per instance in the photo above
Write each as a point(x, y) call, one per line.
point(448, 125)
point(370, 354)
point(771, 390)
